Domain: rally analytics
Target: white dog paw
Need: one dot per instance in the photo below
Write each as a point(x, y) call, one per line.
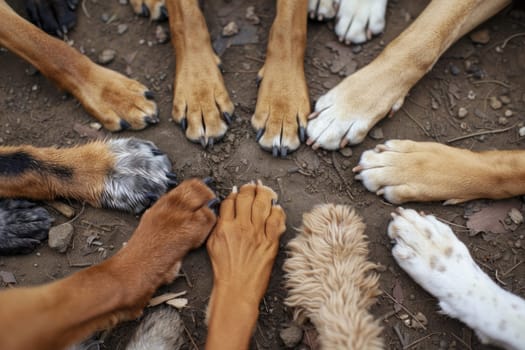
point(358, 20)
point(437, 260)
point(323, 9)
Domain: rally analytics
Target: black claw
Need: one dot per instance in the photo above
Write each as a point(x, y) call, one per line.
point(227, 117)
point(171, 176)
point(64, 29)
point(213, 203)
point(183, 124)
point(221, 67)
point(211, 142)
point(157, 152)
point(274, 201)
point(145, 11)
point(172, 183)
point(259, 134)
point(124, 125)
point(302, 134)
point(152, 197)
point(208, 181)
point(149, 95)
point(258, 81)
point(163, 13)
point(202, 139)
point(151, 120)
point(284, 151)
point(275, 151)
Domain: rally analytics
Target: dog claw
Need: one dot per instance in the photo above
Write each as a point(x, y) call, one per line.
point(183, 124)
point(227, 117)
point(275, 151)
point(172, 183)
point(157, 152)
point(171, 176)
point(163, 13)
point(152, 197)
point(284, 151)
point(203, 142)
point(124, 125)
point(259, 134)
point(208, 181)
point(302, 134)
point(258, 81)
point(145, 11)
point(149, 95)
point(211, 142)
point(212, 204)
point(150, 120)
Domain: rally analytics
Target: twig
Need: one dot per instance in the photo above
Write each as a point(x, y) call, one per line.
point(80, 264)
point(504, 274)
point(417, 341)
point(254, 59)
point(506, 41)
point(479, 133)
point(84, 8)
point(79, 213)
point(404, 308)
point(452, 223)
point(417, 122)
point(499, 82)
point(399, 335)
point(461, 341)
point(338, 171)
point(191, 338)
point(185, 275)
point(498, 279)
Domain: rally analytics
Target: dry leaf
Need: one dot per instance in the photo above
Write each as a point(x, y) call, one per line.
point(491, 218)
point(178, 303)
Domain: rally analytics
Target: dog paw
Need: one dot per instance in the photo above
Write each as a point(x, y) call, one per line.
point(56, 17)
point(23, 225)
point(402, 171)
point(161, 329)
point(117, 102)
point(201, 104)
point(356, 20)
point(346, 113)
point(439, 262)
point(153, 9)
point(282, 108)
point(139, 176)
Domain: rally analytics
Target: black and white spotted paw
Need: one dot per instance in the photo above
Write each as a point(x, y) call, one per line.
point(140, 175)
point(23, 225)
point(437, 260)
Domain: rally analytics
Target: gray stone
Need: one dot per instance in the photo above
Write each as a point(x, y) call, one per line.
point(60, 237)
point(291, 336)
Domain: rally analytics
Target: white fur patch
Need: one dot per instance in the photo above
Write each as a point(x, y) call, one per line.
point(432, 255)
point(138, 177)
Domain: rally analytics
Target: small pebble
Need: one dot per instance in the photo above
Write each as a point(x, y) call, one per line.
point(522, 131)
point(495, 103)
point(503, 121)
point(377, 133)
point(107, 56)
point(104, 17)
point(95, 125)
point(60, 237)
point(230, 29)
point(462, 112)
point(357, 49)
point(161, 35)
point(481, 36)
point(122, 28)
point(508, 113)
point(517, 244)
point(504, 99)
point(123, 2)
point(251, 16)
point(346, 152)
point(454, 70)
point(471, 95)
point(291, 336)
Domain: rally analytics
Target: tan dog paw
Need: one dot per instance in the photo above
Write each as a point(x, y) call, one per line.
point(153, 9)
point(117, 102)
point(244, 243)
point(282, 108)
point(404, 171)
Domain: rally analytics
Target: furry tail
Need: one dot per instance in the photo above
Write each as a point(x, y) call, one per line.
point(160, 330)
point(331, 282)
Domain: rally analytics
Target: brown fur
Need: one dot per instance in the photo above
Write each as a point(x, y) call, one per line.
point(106, 95)
point(331, 282)
point(55, 315)
point(90, 164)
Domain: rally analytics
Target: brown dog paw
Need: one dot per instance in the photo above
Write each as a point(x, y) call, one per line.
point(153, 9)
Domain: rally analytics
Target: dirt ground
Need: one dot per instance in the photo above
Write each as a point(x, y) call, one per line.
point(468, 76)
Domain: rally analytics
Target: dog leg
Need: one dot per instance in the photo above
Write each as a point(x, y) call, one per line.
point(330, 281)
point(345, 114)
point(154, 9)
point(283, 102)
point(405, 171)
point(115, 101)
point(55, 315)
point(201, 103)
point(127, 174)
point(432, 255)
